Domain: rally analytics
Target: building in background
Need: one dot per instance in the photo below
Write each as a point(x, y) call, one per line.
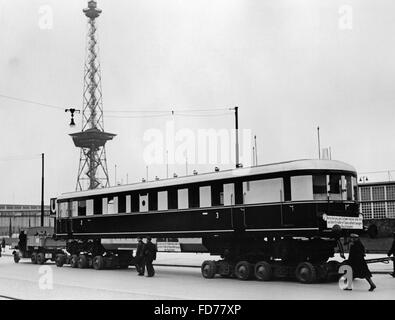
point(377, 205)
point(15, 217)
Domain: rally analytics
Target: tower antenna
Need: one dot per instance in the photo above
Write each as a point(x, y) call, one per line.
point(92, 139)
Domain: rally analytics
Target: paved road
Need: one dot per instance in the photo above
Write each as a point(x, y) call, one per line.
point(25, 281)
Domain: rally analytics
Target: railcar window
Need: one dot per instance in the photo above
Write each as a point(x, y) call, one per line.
point(205, 196)
point(89, 207)
point(335, 184)
point(354, 188)
point(82, 208)
point(228, 196)
point(182, 198)
point(128, 204)
point(301, 188)
point(64, 209)
point(320, 187)
point(74, 208)
point(162, 200)
point(104, 205)
point(263, 191)
point(349, 188)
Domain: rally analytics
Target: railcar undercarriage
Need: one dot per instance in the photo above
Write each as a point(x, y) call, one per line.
point(269, 258)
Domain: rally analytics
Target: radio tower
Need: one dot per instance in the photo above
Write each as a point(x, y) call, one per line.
point(92, 138)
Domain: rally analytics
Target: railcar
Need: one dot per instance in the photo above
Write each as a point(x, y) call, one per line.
point(282, 219)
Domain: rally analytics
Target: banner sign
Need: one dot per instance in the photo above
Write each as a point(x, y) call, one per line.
point(344, 222)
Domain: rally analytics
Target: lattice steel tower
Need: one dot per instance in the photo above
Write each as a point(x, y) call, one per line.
point(92, 171)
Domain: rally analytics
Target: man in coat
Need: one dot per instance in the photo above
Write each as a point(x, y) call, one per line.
point(22, 241)
point(149, 256)
point(356, 260)
point(140, 256)
point(392, 252)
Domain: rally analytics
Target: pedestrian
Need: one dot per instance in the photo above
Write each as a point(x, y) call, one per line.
point(140, 256)
point(3, 244)
point(356, 260)
point(22, 241)
point(392, 252)
point(149, 256)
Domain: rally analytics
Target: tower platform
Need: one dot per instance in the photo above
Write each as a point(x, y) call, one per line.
point(91, 137)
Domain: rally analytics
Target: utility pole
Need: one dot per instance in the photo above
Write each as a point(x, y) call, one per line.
point(319, 143)
point(237, 135)
point(167, 164)
point(256, 151)
point(42, 189)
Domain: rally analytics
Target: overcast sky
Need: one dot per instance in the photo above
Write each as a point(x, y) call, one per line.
point(289, 65)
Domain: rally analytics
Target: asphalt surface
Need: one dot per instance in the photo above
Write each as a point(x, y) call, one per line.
point(27, 281)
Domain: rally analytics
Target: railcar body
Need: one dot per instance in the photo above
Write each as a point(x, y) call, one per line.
point(284, 199)
point(293, 211)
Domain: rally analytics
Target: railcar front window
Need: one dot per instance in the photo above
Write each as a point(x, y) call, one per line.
point(320, 187)
point(335, 183)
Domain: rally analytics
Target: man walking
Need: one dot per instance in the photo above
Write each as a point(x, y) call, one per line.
point(140, 256)
point(149, 256)
point(392, 252)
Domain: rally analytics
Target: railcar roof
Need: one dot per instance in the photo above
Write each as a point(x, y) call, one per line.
point(294, 165)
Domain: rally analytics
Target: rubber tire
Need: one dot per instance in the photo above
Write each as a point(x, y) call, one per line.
point(59, 261)
point(98, 263)
point(40, 258)
point(83, 262)
point(74, 261)
point(263, 271)
point(33, 258)
point(244, 270)
point(17, 257)
point(209, 269)
point(305, 272)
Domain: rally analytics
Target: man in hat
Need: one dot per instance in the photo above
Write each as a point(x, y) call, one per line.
point(392, 252)
point(140, 256)
point(356, 260)
point(149, 256)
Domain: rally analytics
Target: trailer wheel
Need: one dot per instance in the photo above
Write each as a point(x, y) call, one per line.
point(82, 262)
point(74, 261)
point(59, 260)
point(98, 263)
point(17, 257)
point(34, 258)
point(243, 270)
point(263, 271)
point(305, 272)
point(209, 269)
point(40, 258)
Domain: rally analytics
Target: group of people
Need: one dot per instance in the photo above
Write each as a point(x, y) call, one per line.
point(357, 261)
point(145, 255)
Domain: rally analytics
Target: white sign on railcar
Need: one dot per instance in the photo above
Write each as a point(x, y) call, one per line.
point(168, 246)
point(344, 222)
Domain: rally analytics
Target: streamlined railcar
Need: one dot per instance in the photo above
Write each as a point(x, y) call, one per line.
point(278, 219)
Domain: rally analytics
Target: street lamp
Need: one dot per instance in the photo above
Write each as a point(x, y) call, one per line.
point(72, 110)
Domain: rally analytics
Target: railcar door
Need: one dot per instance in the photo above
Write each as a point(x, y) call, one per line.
point(238, 219)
